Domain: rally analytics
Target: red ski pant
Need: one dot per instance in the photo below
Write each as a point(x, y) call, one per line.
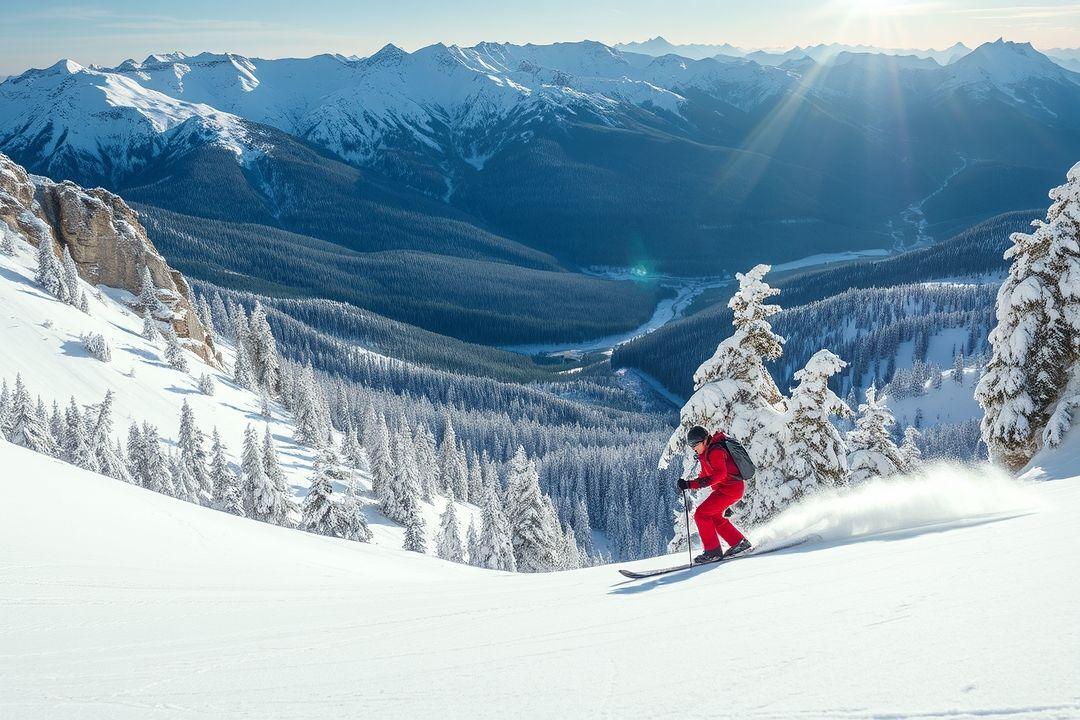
point(710, 519)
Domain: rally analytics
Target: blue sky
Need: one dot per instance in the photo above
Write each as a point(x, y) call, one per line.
point(36, 34)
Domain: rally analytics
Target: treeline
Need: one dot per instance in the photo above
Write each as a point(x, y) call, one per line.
point(593, 460)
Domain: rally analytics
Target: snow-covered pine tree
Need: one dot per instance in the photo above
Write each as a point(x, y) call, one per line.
point(958, 369)
point(816, 455)
point(476, 478)
point(226, 484)
point(403, 488)
point(320, 514)
point(97, 346)
point(265, 363)
point(149, 300)
point(678, 542)
point(570, 553)
point(77, 448)
point(183, 480)
point(382, 458)
point(7, 241)
point(735, 393)
point(150, 330)
point(448, 540)
point(427, 461)
point(50, 274)
point(110, 462)
point(136, 455)
point(5, 405)
point(472, 544)
point(193, 456)
point(206, 384)
point(310, 423)
point(283, 507)
point(174, 351)
point(535, 539)
point(453, 475)
point(871, 450)
point(155, 467)
point(356, 525)
point(261, 500)
point(242, 374)
point(206, 315)
point(583, 527)
point(909, 449)
point(1031, 389)
point(25, 425)
point(415, 528)
point(71, 277)
point(496, 547)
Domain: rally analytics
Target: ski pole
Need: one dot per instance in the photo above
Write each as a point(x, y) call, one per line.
point(686, 511)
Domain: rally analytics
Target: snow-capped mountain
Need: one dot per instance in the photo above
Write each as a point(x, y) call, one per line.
point(1016, 73)
point(660, 46)
point(68, 116)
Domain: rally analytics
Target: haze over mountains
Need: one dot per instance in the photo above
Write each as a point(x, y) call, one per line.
point(555, 157)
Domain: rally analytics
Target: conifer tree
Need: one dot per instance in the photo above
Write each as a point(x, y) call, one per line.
point(320, 514)
point(242, 374)
point(77, 448)
point(206, 384)
point(206, 315)
point(7, 241)
point(427, 461)
point(26, 426)
point(453, 476)
point(356, 524)
point(71, 277)
point(183, 480)
point(50, 274)
point(536, 541)
point(226, 484)
point(582, 526)
point(283, 506)
point(58, 429)
point(472, 543)
point(174, 351)
point(260, 496)
point(5, 405)
point(150, 330)
point(1027, 393)
point(404, 486)
point(136, 455)
point(149, 300)
point(110, 462)
point(448, 540)
point(155, 468)
point(265, 364)
point(735, 393)
point(871, 450)
point(193, 457)
point(476, 479)
point(909, 449)
point(382, 458)
point(816, 452)
point(415, 528)
point(496, 547)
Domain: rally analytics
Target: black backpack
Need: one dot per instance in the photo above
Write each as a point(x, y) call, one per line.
point(740, 456)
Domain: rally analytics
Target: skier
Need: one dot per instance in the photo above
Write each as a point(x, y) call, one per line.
point(719, 472)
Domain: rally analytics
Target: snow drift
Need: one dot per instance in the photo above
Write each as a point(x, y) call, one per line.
point(941, 494)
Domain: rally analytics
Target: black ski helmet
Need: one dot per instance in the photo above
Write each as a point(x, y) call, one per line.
point(696, 434)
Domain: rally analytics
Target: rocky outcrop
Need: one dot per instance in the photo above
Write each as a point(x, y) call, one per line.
point(106, 240)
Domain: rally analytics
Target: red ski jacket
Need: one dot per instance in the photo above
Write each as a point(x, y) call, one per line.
point(717, 465)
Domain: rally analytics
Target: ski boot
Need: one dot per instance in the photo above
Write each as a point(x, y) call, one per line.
point(717, 553)
point(742, 547)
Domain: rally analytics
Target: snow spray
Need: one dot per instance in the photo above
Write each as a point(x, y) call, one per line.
point(939, 494)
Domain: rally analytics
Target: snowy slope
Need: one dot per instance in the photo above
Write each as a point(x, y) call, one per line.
point(120, 603)
point(40, 340)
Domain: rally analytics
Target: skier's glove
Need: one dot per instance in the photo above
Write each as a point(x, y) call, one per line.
point(682, 484)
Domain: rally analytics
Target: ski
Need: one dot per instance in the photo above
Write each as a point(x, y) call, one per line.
point(635, 575)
